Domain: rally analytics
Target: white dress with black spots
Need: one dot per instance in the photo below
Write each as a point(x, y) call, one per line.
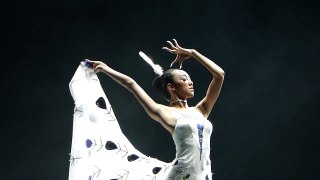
point(100, 151)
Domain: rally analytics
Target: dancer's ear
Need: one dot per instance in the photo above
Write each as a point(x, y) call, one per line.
point(170, 87)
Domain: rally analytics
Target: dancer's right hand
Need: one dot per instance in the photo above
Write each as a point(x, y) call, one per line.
point(97, 66)
point(181, 53)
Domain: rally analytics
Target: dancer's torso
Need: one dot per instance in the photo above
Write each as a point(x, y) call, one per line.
point(192, 140)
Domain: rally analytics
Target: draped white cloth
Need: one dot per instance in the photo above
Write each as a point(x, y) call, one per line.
point(99, 149)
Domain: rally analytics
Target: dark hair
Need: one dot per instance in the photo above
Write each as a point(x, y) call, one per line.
point(160, 82)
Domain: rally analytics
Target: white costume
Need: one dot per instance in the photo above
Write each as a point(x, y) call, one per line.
point(192, 140)
point(100, 151)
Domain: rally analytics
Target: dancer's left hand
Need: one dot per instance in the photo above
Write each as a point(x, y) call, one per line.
point(181, 53)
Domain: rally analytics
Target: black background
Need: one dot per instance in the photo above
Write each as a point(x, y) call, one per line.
point(265, 120)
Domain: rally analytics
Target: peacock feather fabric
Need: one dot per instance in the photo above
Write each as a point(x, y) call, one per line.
point(99, 149)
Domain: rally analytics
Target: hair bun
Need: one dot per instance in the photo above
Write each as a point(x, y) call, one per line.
point(157, 83)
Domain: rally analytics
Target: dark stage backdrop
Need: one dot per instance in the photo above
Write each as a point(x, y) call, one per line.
point(265, 120)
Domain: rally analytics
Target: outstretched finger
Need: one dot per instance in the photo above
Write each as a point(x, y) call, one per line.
point(181, 62)
point(176, 43)
point(175, 60)
point(169, 50)
point(172, 63)
point(179, 58)
point(172, 46)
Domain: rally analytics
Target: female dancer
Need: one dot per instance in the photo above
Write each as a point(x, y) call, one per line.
point(188, 126)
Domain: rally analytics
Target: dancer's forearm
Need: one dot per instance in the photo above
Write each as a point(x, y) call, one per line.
point(120, 78)
point(212, 67)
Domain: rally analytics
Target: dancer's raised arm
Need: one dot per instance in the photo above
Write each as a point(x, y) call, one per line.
point(206, 104)
point(153, 109)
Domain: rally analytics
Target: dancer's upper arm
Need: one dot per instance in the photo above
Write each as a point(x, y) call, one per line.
point(153, 109)
point(207, 103)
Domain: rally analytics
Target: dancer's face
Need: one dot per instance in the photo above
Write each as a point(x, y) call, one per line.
point(183, 84)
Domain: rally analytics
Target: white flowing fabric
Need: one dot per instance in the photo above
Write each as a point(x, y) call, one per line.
point(99, 149)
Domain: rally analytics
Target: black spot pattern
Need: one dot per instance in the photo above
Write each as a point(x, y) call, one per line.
point(132, 157)
point(111, 145)
point(101, 103)
point(155, 170)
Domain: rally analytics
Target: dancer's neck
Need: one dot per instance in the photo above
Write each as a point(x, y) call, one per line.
point(179, 103)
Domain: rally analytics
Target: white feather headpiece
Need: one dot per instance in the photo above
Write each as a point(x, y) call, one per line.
point(156, 67)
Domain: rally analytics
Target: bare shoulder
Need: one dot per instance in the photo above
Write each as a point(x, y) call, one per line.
point(202, 111)
point(168, 116)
